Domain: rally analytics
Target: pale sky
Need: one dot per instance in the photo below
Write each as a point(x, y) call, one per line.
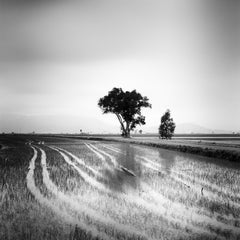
point(57, 58)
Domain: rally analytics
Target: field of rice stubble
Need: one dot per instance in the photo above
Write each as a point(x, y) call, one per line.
point(56, 188)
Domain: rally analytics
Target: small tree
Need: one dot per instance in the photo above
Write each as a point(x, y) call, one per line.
point(126, 106)
point(167, 126)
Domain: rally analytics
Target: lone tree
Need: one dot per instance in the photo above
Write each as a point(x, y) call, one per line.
point(167, 126)
point(126, 106)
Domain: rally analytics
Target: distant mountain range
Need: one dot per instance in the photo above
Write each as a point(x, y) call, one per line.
point(194, 128)
point(186, 128)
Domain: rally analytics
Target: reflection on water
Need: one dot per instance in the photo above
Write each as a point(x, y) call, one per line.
point(118, 179)
point(167, 160)
point(157, 159)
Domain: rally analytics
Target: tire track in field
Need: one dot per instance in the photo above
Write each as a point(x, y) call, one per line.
point(80, 162)
point(57, 208)
point(151, 165)
point(91, 181)
point(157, 167)
point(179, 177)
point(161, 211)
point(214, 187)
point(73, 202)
point(196, 185)
point(191, 212)
point(104, 190)
point(100, 156)
point(211, 189)
point(173, 209)
point(112, 158)
point(224, 191)
point(147, 162)
point(132, 199)
point(154, 167)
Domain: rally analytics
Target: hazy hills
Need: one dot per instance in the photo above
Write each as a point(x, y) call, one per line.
point(187, 128)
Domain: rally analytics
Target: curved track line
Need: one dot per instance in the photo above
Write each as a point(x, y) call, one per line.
point(162, 210)
point(85, 176)
point(75, 204)
point(227, 191)
point(112, 148)
point(104, 162)
point(157, 167)
point(213, 196)
point(80, 161)
point(207, 193)
point(130, 198)
point(151, 165)
point(198, 182)
point(58, 210)
point(113, 160)
point(193, 211)
point(97, 153)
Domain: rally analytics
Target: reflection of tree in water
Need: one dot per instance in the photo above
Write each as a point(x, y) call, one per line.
point(118, 180)
point(166, 160)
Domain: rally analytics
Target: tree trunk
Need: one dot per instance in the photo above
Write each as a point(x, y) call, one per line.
point(125, 130)
point(126, 133)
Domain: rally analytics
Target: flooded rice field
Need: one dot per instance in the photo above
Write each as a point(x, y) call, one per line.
point(124, 191)
point(56, 188)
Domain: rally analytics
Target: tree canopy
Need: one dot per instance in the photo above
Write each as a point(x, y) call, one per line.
point(167, 126)
point(126, 106)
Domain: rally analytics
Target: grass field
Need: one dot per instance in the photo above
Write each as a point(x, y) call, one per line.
point(57, 188)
